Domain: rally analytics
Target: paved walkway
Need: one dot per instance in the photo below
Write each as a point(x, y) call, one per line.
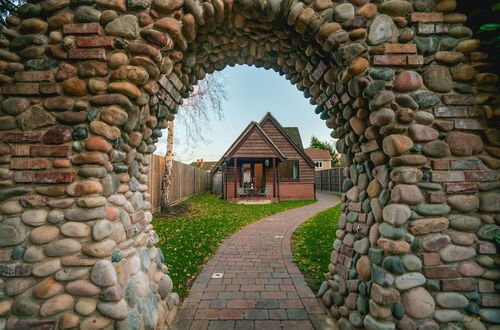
point(261, 287)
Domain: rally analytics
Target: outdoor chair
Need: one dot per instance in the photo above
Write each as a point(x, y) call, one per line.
point(242, 192)
point(263, 192)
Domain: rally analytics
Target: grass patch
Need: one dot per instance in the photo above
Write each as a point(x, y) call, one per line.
point(189, 238)
point(312, 245)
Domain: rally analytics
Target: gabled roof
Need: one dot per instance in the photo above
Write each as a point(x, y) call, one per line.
point(253, 126)
point(294, 134)
point(270, 117)
point(319, 154)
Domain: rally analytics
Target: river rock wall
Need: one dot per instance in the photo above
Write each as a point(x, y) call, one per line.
point(87, 86)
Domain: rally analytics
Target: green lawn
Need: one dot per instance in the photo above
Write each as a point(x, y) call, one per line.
point(189, 239)
point(312, 245)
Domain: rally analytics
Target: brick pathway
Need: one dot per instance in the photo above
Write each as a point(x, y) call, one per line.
point(261, 287)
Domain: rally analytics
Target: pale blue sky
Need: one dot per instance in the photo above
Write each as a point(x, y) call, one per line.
point(251, 93)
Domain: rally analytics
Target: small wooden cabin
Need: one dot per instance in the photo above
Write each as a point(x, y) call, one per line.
point(266, 162)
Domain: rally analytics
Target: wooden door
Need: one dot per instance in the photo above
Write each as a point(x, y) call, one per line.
point(258, 170)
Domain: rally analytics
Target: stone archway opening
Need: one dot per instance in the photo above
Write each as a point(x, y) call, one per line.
point(87, 86)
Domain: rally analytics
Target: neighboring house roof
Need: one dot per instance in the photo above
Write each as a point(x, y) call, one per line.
point(207, 166)
point(294, 134)
point(299, 148)
point(318, 154)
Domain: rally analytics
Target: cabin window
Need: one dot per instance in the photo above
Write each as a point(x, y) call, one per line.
point(289, 170)
point(319, 164)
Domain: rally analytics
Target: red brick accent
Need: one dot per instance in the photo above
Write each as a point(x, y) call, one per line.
point(447, 176)
point(431, 259)
point(425, 28)
point(462, 187)
point(11, 137)
point(471, 124)
point(96, 41)
point(437, 197)
point(85, 54)
point(20, 150)
point(426, 17)
point(49, 151)
point(44, 177)
point(401, 48)
point(442, 28)
point(27, 76)
point(458, 99)
point(415, 60)
point(480, 175)
point(50, 88)
point(459, 284)
point(441, 271)
point(389, 60)
point(460, 111)
point(441, 164)
point(487, 248)
point(486, 286)
point(490, 300)
point(82, 28)
point(21, 89)
point(29, 163)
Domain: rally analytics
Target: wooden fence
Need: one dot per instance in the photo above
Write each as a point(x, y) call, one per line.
point(329, 180)
point(186, 181)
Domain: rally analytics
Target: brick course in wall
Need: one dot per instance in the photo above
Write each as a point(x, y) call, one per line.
point(402, 85)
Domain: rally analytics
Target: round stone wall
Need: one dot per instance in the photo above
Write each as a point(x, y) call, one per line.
point(88, 85)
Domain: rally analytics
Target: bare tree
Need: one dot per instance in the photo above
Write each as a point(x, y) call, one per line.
point(167, 174)
point(203, 104)
point(194, 115)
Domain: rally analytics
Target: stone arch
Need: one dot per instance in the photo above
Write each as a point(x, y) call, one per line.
point(87, 86)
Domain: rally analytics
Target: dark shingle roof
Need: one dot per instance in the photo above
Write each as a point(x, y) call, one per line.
point(294, 134)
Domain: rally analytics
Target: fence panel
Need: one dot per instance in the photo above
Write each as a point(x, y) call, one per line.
point(186, 181)
point(329, 180)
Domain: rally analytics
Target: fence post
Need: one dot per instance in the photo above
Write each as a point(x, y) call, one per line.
point(329, 180)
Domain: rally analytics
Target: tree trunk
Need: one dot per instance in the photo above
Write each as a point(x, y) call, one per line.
point(169, 158)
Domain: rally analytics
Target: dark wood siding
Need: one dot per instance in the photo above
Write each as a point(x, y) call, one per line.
point(253, 146)
point(306, 172)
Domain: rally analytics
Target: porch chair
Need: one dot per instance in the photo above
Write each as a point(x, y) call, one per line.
point(242, 192)
point(263, 192)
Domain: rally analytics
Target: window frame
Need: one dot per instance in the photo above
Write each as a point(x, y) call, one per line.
point(281, 179)
point(318, 162)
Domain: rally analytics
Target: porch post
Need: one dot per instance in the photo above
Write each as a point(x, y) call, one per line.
point(278, 181)
point(274, 177)
point(235, 172)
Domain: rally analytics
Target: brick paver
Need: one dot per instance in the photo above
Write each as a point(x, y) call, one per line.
point(261, 288)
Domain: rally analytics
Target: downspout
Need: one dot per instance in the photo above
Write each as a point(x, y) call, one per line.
point(222, 190)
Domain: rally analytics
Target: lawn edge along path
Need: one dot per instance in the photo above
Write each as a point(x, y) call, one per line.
point(261, 287)
point(189, 240)
point(311, 244)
